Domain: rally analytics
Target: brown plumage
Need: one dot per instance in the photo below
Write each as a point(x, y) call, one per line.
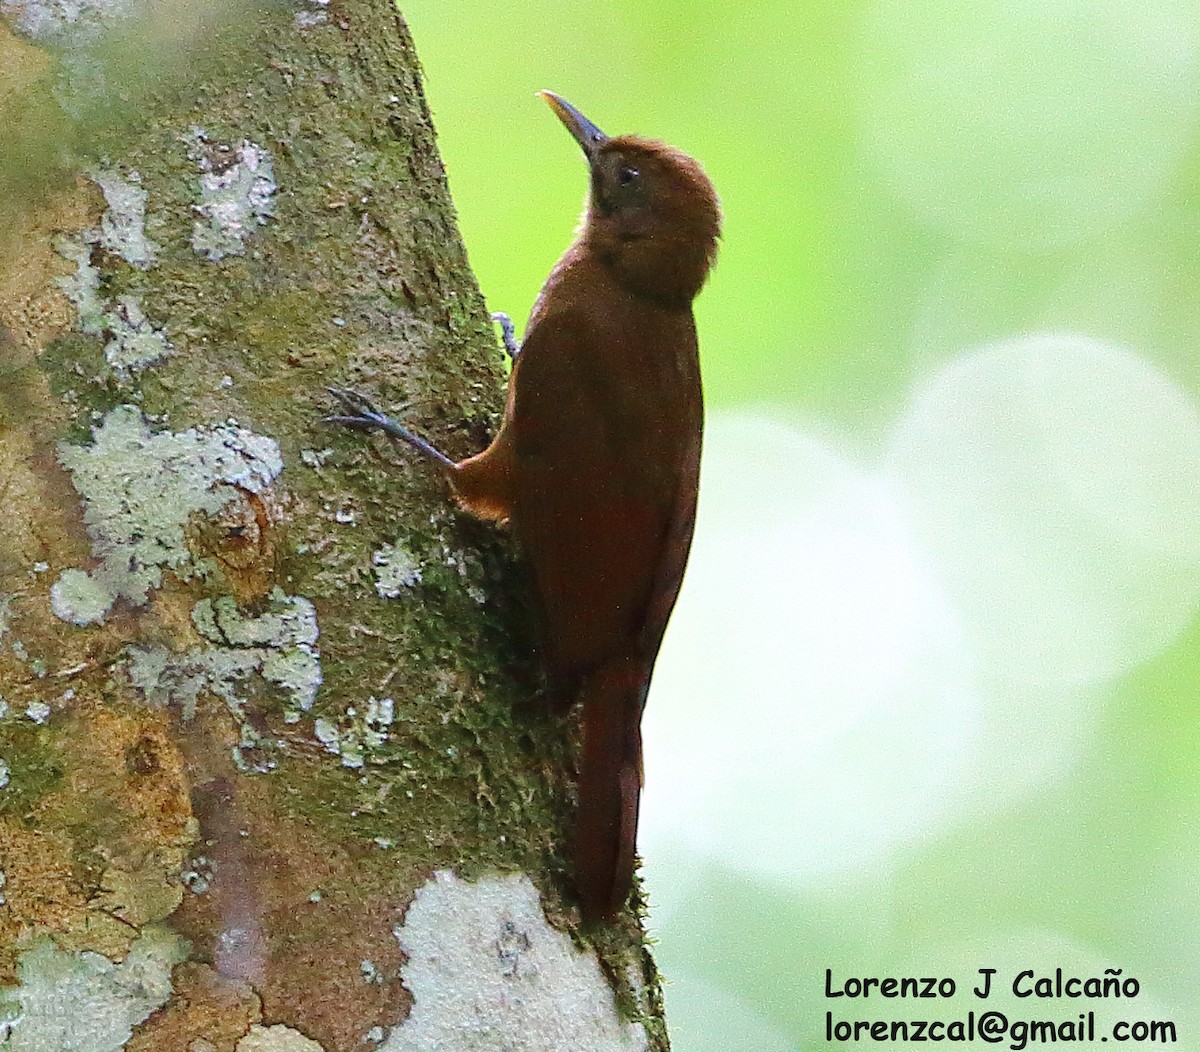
point(596, 464)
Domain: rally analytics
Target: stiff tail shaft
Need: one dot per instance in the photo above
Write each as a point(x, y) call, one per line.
point(610, 785)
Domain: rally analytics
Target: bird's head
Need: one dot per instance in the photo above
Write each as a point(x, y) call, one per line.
point(652, 214)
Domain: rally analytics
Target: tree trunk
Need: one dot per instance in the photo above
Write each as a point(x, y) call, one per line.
point(267, 778)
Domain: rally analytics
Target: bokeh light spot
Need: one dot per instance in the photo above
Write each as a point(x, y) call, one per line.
point(1024, 122)
point(813, 704)
point(1053, 481)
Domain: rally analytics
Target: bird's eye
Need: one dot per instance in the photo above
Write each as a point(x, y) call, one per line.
point(626, 175)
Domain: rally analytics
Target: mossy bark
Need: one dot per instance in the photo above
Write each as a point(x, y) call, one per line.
point(260, 679)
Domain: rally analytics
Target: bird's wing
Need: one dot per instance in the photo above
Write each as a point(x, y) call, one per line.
point(603, 491)
point(604, 486)
point(676, 545)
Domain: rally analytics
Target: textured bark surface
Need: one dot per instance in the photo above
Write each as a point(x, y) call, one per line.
point(260, 680)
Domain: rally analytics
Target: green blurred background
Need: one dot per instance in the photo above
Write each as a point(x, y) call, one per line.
point(929, 702)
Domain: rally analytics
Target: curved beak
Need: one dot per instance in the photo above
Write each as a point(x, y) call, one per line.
point(582, 130)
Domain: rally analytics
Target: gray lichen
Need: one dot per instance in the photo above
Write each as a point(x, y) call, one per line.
point(310, 19)
point(317, 15)
point(222, 622)
point(66, 22)
point(139, 489)
point(279, 644)
point(83, 1002)
point(359, 734)
point(37, 712)
point(282, 642)
point(315, 458)
point(487, 971)
point(83, 287)
point(277, 1038)
point(135, 342)
point(80, 599)
point(166, 678)
point(198, 877)
point(123, 224)
point(396, 569)
point(236, 187)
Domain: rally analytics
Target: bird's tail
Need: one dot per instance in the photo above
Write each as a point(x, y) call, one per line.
point(610, 785)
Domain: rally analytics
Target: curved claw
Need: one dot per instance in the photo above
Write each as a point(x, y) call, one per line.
point(507, 332)
point(357, 423)
point(354, 403)
point(362, 415)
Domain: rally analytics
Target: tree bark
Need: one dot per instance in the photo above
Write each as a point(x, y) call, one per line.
point(270, 778)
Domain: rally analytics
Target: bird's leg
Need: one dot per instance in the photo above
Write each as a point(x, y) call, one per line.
point(507, 333)
point(361, 414)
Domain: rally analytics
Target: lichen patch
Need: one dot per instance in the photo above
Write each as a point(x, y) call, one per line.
point(276, 1038)
point(487, 971)
point(82, 287)
point(360, 734)
point(79, 598)
point(139, 490)
point(396, 570)
point(278, 643)
point(66, 22)
point(134, 342)
point(237, 184)
point(83, 1002)
point(123, 225)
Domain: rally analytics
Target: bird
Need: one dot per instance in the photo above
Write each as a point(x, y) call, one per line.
point(596, 464)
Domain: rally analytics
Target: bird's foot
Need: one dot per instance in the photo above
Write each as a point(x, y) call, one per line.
point(360, 413)
point(507, 333)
